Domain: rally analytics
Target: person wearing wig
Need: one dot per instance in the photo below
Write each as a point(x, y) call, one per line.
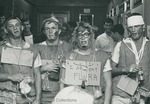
point(84, 50)
point(130, 57)
point(52, 52)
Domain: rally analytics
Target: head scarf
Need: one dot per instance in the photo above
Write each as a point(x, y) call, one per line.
point(135, 20)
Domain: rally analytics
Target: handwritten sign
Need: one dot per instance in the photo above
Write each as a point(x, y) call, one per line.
point(17, 56)
point(76, 71)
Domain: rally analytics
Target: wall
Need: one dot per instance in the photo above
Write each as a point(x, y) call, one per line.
point(99, 14)
point(6, 7)
point(22, 9)
point(15, 7)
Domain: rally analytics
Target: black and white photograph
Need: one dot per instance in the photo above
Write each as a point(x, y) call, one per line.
point(74, 52)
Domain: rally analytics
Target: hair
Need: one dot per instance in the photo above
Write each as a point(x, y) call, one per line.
point(25, 20)
point(10, 18)
point(109, 20)
point(49, 20)
point(118, 28)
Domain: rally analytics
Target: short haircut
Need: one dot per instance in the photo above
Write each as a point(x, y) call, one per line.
point(118, 28)
point(49, 20)
point(10, 18)
point(25, 20)
point(109, 20)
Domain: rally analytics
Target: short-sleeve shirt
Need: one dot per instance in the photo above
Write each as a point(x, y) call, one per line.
point(105, 43)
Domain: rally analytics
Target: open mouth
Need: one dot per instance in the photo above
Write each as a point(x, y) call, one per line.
point(83, 42)
point(134, 34)
point(16, 32)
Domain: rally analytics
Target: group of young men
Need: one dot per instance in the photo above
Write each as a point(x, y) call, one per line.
point(35, 74)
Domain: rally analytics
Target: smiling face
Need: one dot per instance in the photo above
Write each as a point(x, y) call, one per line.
point(83, 38)
point(116, 36)
point(108, 27)
point(51, 30)
point(14, 28)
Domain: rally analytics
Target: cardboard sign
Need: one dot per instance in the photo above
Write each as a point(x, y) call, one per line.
point(77, 71)
point(128, 85)
point(17, 56)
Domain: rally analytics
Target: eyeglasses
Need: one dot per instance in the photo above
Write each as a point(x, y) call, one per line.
point(84, 34)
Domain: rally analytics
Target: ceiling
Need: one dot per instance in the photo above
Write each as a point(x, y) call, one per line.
point(68, 2)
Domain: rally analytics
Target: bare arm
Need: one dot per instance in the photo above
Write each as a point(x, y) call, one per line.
point(37, 84)
point(4, 77)
point(14, 78)
point(97, 44)
point(62, 78)
point(108, 90)
point(118, 70)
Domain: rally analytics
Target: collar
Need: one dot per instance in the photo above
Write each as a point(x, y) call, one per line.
point(26, 45)
point(84, 53)
point(44, 43)
point(138, 54)
point(129, 40)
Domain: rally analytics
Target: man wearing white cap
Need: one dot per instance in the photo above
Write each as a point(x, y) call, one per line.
point(129, 58)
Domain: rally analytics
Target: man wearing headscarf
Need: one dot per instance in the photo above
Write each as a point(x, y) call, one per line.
point(52, 52)
point(131, 59)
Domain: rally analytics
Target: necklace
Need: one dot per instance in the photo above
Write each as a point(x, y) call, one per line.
point(18, 58)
